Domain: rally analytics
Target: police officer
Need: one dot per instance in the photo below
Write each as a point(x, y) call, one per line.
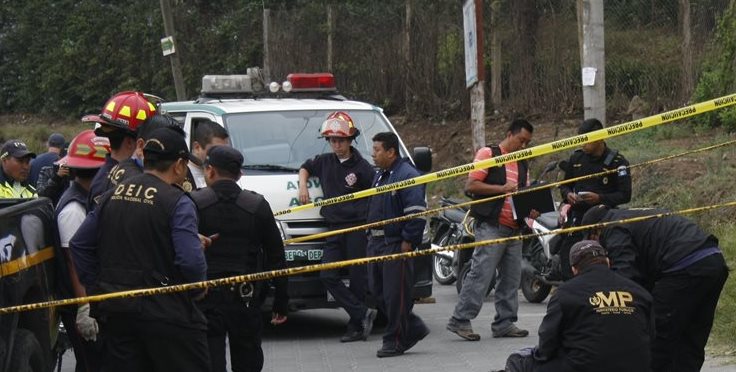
point(144, 234)
point(15, 165)
point(247, 236)
point(391, 281)
point(343, 171)
point(681, 265)
point(611, 190)
point(86, 155)
point(597, 321)
point(133, 165)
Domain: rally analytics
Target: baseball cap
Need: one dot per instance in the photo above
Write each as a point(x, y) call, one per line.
point(15, 148)
point(589, 125)
point(584, 249)
point(56, 140)
point(167, 144)
point(225, 158)
point(595, 215)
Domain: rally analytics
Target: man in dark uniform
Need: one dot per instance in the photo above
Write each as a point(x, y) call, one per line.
point(597, 321)
point(681, 265)
point(391, 281)
point(133, 165)
point(144, 234)
point(120, 117)
point(247, 237)
point(612, 189)
point(343, 171)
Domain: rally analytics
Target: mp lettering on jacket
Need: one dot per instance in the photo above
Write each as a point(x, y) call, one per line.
point(613, 302)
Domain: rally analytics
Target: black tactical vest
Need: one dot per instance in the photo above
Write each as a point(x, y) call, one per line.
point(230, 212)
point(122, 171)
point(489, 211)
point(136, 251)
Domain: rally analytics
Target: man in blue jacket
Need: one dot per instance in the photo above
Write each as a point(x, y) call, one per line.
point(391, 281)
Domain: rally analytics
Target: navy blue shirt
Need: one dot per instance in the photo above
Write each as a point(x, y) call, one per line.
point(101, 182)
point(183, 234)
point(43, 160)
point(339, 178)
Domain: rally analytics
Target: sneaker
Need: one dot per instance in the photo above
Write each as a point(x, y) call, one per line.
point(512, 331)
point(462, 329)
point(368, 318)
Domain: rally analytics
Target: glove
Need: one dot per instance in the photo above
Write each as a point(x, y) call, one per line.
point(87, 325)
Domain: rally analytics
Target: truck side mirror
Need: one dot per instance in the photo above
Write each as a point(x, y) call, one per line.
point(423, 158)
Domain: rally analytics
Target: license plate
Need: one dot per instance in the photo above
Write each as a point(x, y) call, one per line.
point(303, 255)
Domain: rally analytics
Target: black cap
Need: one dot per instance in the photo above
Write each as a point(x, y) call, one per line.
point(595, 215)
point(225, 158)
point(167, 144)
point(590, 125)
point(56, 140)
point(15, 148)
point(584, 249)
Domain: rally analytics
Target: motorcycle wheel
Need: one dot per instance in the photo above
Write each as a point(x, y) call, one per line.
point(464, 273)
point(442, 270)
point(534, 290)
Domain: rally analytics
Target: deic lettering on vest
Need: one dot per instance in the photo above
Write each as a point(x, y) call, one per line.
point(136, 193)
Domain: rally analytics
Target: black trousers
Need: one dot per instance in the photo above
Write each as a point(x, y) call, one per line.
point(144, 345)
point(352, 299)
point(684, 305)
point(391, 283)
point(87, 353)
point(227, 316)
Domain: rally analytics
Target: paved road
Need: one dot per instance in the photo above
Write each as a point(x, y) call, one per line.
point(309, 343)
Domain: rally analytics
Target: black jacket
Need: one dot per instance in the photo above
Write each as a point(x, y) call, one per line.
point(249, 238)
point(614, 189)
point(643, 250)
point(337, 179)
point(598, 321)
point(489, 211)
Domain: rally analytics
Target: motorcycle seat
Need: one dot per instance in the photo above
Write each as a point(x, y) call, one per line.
point(549, 220)
point(454, 215)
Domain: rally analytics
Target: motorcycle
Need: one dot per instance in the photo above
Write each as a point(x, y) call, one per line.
point(540, 268)
point(453, 226)
point(450, 228)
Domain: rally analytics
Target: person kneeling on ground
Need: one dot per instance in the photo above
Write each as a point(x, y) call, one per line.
point(597, 321)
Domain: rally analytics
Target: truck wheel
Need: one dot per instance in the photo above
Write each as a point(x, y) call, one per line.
point(27, 355)
point(534, 290)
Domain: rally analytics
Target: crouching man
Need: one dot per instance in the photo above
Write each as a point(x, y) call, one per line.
point(597, 321)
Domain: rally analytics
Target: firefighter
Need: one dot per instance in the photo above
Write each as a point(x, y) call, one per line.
point(247, 240)
point(86, 155)
point(144, 234)
point(343, 171)
point(119, 120)
point(15, 165)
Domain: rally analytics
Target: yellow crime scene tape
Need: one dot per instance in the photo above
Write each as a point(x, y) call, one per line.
point(334, 265)
point(544, 149)
point(430, 212)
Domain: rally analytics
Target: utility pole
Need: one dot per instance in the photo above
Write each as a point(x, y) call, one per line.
point(330, 34)
point(266, 56)
point(475, 69)
point(592, 58)
point(181, 93)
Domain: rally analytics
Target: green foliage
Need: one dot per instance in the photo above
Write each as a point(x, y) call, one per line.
point(718, 77)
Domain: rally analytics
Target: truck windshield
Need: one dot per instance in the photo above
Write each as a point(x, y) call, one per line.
point(283, 140)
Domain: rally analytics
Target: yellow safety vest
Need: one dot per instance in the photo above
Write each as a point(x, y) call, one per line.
point(7, 191)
